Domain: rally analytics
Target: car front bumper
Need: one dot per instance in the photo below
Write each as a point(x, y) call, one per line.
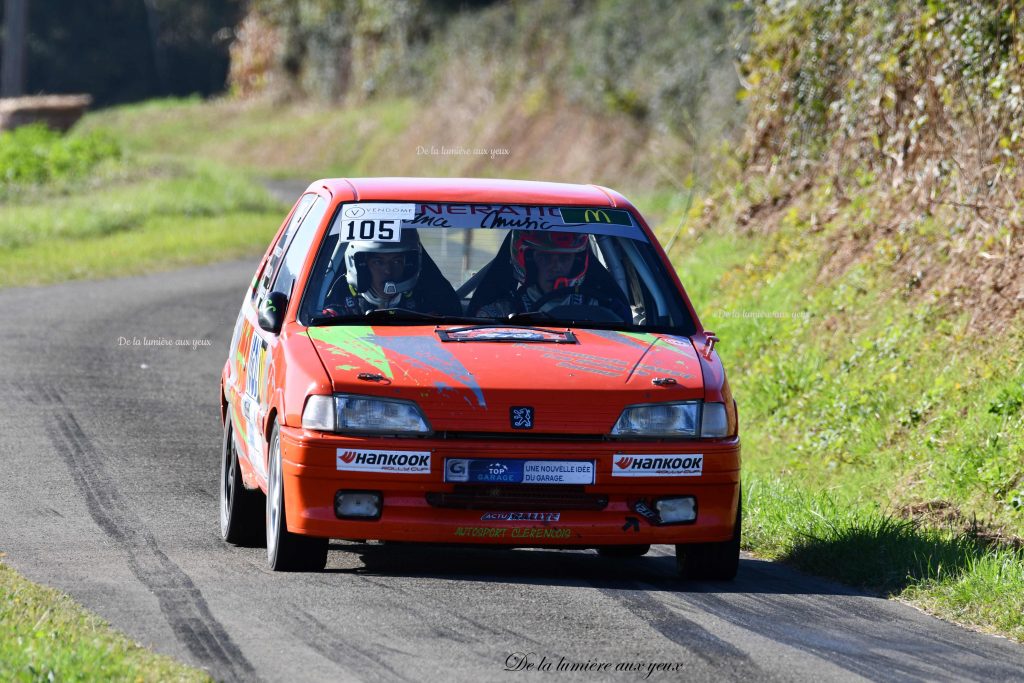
point(613, 510)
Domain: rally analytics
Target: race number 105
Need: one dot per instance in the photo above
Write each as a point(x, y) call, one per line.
point(376, 230)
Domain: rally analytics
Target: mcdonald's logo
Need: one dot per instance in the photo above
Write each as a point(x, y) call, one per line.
point(614, 216)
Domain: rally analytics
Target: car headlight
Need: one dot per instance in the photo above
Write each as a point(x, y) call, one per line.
point(348, 414)
point(684, 420)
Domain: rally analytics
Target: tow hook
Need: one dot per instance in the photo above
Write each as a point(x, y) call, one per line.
point(709, 344)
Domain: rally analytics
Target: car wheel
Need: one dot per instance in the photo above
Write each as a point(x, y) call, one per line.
point(241, 510)
point(712, 561)
point(287, 551)
point(624, 550)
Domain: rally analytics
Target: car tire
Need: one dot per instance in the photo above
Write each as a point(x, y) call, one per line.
point(287, 551)
point(712, 561)
point(241, 510)
point(624, 550)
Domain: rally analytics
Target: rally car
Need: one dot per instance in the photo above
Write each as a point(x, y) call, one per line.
point(468, 361)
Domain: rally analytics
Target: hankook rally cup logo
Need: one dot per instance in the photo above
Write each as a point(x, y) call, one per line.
point(392, 462)
point(667, 465)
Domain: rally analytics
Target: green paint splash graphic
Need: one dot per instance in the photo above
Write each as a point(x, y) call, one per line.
point(353, 340)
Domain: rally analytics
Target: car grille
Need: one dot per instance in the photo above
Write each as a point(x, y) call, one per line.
point(518, 436)
point(517, 497)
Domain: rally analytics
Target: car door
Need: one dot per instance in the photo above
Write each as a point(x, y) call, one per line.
point(248, 355)
point(261, 348)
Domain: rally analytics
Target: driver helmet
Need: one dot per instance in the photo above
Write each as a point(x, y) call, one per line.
point(525, 241)
point(358, 274)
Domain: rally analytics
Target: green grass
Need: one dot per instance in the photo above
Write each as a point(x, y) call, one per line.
point(46, 636)
point(132, 217)
point(262, 139)
point(156, 243)
point(861, 411)
point(35, 154)
point(953, 572)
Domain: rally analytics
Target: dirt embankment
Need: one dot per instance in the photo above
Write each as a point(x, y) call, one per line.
point(893, 132)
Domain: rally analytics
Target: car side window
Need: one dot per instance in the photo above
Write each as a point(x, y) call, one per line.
point(299, 248)
point(275, 260)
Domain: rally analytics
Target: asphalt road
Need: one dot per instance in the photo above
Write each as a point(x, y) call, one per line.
point(108, 490)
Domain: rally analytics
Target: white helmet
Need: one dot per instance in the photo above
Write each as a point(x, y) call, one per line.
point(358, 275)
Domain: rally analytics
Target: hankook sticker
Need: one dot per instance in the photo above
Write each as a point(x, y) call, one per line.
point(686, 465)
point(391, 462)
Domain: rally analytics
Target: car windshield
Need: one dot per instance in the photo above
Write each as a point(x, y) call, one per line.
point(431, 263)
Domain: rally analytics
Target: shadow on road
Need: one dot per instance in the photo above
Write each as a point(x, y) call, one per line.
point(656, 571)
point(888, 553)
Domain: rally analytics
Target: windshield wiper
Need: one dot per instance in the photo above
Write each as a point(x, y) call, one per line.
point(378, 315)
point(401, 314)
point(544, 318)
point(396, 315)
point(531, 317)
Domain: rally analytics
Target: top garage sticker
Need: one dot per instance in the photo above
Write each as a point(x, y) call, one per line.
point(686, 465)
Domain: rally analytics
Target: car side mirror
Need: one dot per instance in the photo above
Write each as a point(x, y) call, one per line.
point(271, 315)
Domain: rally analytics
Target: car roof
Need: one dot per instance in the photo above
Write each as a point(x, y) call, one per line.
point(470, 190)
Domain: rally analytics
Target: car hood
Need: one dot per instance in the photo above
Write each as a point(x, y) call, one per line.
point(576, 387)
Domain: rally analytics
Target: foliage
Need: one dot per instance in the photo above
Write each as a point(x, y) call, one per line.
point(882, 440)
point(917, 110)
point(45, 636)
point(894, 85)
point(35, 154)
point(665, 63)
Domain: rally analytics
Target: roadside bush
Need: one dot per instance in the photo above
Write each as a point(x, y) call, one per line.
point(36, 155)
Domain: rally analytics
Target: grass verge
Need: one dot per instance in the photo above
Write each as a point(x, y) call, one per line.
point(884, 446)
point(137, 216)
point(46, 636)
point(957, 574)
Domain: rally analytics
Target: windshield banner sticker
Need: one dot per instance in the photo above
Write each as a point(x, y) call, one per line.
point(618, 223)
point(380, 211)
point(614, 216)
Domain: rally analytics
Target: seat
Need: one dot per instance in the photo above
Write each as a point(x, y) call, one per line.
point(497, 281)
point(434, 287)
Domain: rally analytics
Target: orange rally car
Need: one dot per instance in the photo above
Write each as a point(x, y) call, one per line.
point(495, 362)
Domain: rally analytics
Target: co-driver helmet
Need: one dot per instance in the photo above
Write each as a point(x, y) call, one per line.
point(525, 241)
